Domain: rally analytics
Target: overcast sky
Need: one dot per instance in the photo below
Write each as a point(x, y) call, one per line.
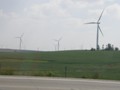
point(43, 21)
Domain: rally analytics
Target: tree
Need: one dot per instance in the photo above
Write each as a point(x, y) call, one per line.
point(92, 49)
point(116, 49)
point(109, 47)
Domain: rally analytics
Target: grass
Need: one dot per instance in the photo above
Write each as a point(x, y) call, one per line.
point(80, 64)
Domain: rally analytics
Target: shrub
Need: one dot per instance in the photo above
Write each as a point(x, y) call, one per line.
point(50, 74)
point(96, 76)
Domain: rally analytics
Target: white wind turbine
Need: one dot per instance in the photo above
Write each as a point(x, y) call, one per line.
point(20, 38)
point(58, 43)
point(98, 29)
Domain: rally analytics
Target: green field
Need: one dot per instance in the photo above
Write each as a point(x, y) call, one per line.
point(78, 64)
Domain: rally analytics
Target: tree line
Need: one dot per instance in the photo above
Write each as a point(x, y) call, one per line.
point(108, 47)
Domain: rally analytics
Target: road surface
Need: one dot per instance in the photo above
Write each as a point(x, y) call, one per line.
point(39, 83)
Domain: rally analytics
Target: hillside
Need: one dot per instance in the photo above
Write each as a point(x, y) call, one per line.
point(81, 64)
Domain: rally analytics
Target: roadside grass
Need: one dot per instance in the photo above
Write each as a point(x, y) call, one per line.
point(78, 64)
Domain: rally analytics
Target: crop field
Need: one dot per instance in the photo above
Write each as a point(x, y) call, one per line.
point(76, 64)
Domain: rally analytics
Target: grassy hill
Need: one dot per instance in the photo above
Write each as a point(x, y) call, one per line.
point(81, 64)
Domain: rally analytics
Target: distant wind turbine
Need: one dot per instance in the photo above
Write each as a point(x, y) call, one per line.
point(58, 43)
point(20, 38)
point(98, 29)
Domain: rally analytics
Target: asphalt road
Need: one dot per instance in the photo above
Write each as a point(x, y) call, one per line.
point(39, 83)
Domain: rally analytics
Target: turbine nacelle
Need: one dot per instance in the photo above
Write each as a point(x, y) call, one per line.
point(98, 22)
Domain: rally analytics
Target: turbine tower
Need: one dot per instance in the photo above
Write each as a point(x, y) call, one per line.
point(58, 43)
point(98, 29)
point(20, 38)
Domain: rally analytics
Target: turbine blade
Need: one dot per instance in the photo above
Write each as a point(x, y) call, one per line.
point(100, 30)
point(91, 23)
point(101, 15)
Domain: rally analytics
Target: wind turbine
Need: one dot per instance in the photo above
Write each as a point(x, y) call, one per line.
point(98, 29)
point(58, 43)
point(20, 41)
